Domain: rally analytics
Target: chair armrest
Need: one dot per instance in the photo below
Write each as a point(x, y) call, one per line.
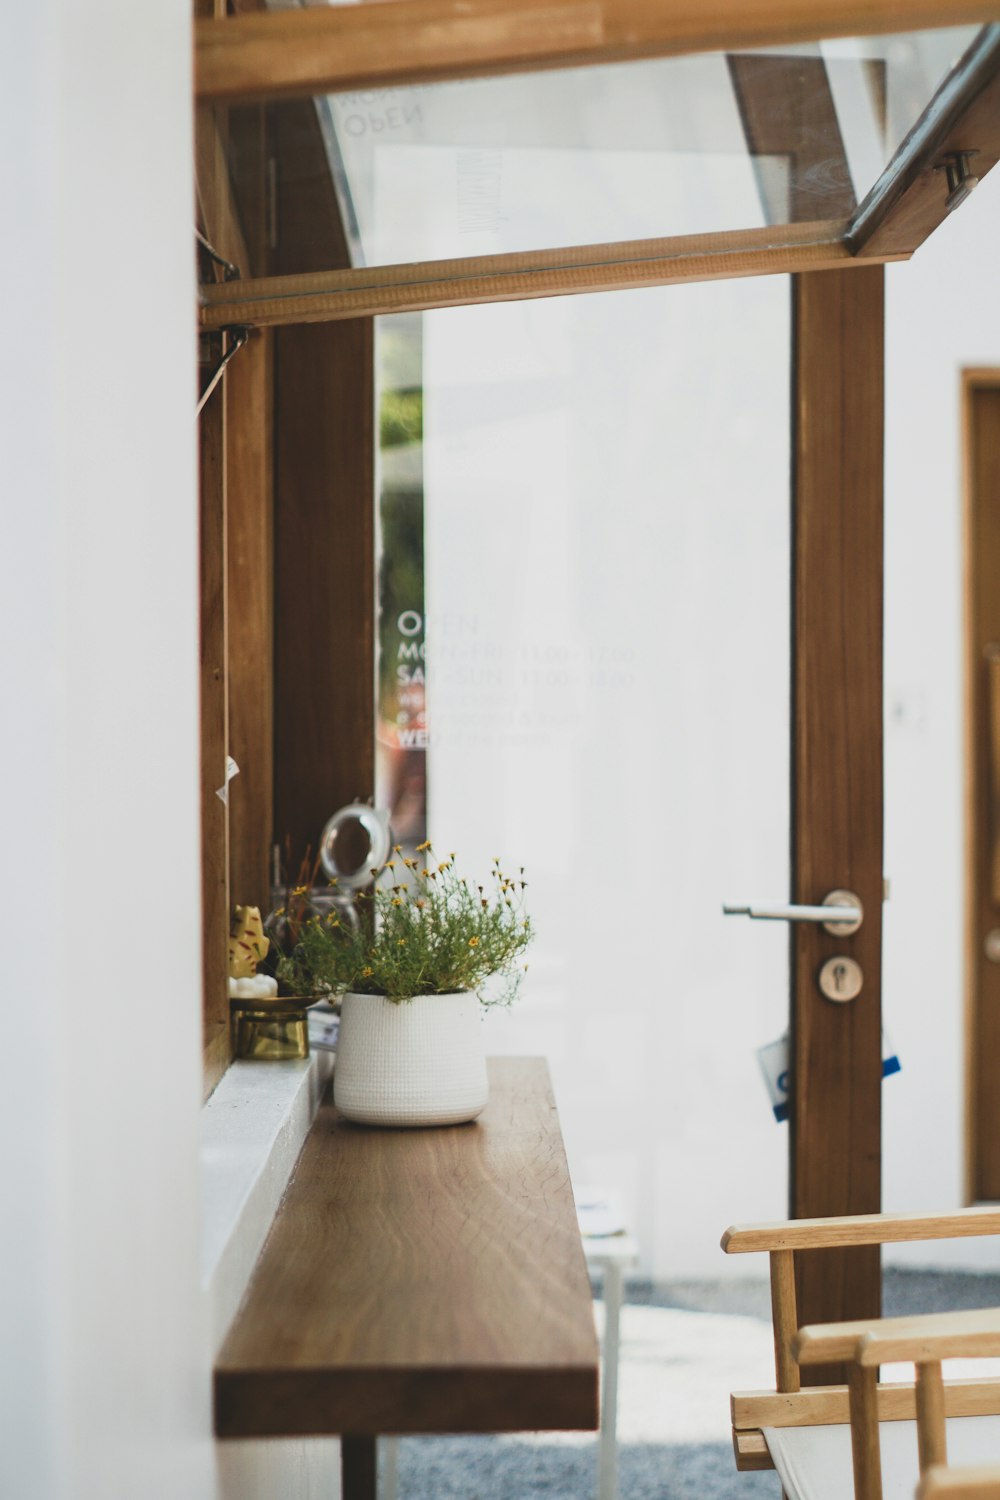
point(939, 1483)
point(876, 1341)
point(860, 1229)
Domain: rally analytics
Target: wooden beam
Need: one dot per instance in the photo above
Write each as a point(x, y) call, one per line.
point(325, 296)
point(837, 772)
point(213, 198)
point(787, 110)
point(308, 51)
point(250, 613)
point(214, 742)
point(324, 578)
point(324, 437)
point(981, 441)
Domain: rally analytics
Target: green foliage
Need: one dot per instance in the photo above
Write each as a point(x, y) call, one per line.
point(401, 582)
point(431, 933)
point(401, 417)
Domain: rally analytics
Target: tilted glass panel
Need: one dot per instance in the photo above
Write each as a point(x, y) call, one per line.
point(638, 151)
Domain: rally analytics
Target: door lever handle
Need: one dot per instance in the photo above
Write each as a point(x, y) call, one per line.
point(850, 912)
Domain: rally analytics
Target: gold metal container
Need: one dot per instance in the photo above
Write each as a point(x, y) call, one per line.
point(271, 1029)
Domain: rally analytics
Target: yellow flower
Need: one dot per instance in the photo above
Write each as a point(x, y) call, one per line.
point(300, 890)
point(367, 972)
point(397, 848)
point(401, 943)
point(425, 845)
point(396, 901)
point(390, 864)
point(473, 942)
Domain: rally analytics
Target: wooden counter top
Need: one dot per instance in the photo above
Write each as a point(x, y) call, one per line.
point(420, 1281)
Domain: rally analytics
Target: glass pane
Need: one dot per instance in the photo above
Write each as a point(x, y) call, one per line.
point(631, 151)
point(401, 730)
point(606, 551)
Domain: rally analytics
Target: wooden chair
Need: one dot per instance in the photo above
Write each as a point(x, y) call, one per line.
point(941, 1483)
point(821, 1437)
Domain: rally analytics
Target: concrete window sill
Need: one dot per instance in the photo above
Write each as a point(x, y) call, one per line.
point(253, 1127)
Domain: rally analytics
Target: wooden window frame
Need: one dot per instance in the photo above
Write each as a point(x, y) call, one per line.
point(298, 53)
point(287, 565)
point(275, 55)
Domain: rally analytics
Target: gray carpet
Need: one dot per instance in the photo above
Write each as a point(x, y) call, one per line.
point(684, 1346)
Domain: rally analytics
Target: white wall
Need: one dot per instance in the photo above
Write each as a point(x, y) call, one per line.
point(105, 1364)
point(943, 313)
point(607, 645)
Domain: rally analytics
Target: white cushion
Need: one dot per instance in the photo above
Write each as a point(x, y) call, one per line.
point(814, 1463)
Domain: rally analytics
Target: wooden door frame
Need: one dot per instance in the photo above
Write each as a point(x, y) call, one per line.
point(837, 769)
point(982, 979)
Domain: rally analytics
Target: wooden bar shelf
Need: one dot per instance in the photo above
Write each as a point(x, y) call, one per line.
point(420, 1281)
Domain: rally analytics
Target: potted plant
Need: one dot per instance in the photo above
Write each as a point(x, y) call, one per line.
point(431, 949)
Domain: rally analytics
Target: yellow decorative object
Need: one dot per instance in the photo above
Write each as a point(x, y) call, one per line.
point(271, 1030)
point(247, 943)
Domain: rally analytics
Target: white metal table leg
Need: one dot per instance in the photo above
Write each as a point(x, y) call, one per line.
point(607, 1474)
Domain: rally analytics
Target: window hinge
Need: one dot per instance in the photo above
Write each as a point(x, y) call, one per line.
point(229, 271)
point(237, 338)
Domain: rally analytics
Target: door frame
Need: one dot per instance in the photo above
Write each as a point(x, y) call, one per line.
point(837, 770)
point(981, 552)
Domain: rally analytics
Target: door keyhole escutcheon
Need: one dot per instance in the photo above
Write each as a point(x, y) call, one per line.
point(840, 979)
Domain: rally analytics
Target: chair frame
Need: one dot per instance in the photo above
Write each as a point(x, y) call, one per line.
point(865, 1344)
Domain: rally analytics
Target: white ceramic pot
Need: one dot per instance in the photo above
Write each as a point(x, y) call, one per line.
point(410, 1062)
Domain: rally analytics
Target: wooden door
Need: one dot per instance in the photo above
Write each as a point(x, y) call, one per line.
point(981, 396)
point(837, 770)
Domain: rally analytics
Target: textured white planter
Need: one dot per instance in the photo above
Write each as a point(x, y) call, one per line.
point(415, 1062)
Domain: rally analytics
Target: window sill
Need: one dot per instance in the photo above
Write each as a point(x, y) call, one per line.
point(253, 1128)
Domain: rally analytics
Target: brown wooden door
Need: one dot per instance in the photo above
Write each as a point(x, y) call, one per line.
point(982, 453)
point(835, 1165)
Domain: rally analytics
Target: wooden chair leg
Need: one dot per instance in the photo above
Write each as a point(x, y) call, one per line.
point(863, 1388)
point(784, 1318)
point(930, 1415)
